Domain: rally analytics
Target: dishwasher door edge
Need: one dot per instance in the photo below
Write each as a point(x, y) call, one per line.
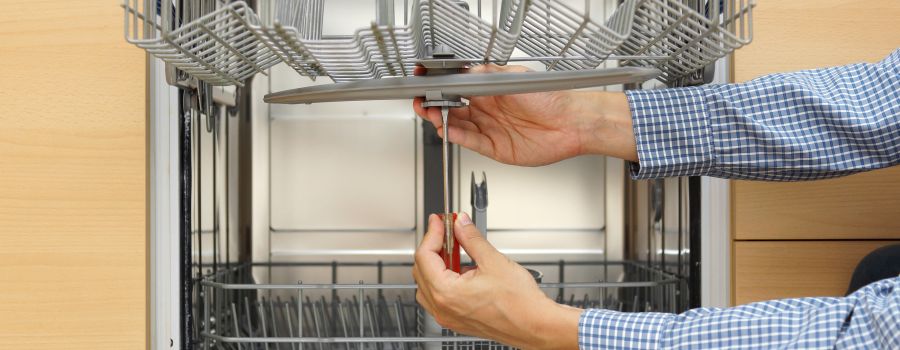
point(164, 217)
point(715, 225)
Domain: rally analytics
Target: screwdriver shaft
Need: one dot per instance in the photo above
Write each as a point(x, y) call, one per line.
point(448, 219)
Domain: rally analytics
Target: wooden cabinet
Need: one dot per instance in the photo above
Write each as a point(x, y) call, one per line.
point(72, 178)
point(805, 238)
point(768, 270)
point(865, 206)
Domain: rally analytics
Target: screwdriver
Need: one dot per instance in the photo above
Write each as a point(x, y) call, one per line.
point(451, 251)
point(435, 98)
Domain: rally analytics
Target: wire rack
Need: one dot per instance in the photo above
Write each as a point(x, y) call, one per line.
point(237, 313)
point(215, 44)
point(225, 42)
point(554, 29)
point(690, 39)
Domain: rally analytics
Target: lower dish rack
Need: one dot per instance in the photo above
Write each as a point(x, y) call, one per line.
point(235, 312)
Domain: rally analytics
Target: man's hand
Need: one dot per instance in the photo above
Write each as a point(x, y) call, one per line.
point(496, 300)
point(539, 128)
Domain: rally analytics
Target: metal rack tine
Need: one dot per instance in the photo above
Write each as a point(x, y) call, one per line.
point(288, 318)
point(401, 321)
point(381, 320)
point(316, 321)
point(392, 329)
point(262, 321)
point(343, 317)
point(273, 318)
point(374, 325)
point(358, 299)
point(308, 317)
point(352, 321)
point(234, 317)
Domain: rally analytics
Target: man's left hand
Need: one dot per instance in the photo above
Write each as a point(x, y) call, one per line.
point(498, 299)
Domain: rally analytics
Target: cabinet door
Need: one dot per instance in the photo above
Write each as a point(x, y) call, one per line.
point(768, 270)
point(788, 36)
point(72, 178)
point(861, 206)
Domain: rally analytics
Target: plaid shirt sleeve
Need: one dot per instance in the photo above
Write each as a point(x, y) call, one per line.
point(804, 125)
point(867, 319)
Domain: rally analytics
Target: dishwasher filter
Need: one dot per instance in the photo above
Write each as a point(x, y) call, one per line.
point(283, 222)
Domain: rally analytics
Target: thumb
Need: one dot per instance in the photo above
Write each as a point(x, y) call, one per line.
point(478, 247)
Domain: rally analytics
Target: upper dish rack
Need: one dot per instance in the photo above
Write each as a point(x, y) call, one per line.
point(225, 42)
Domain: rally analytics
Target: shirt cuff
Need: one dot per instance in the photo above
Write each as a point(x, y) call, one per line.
point(672, 132)
point(606, 329)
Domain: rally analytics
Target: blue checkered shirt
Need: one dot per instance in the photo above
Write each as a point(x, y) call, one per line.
point(867, 319)
point(783, 127)
point(804, 125)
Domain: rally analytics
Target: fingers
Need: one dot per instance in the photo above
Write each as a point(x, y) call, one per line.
point(464, 269)
point(424, 302)
point(433, 114)
point(429, 263)
point(493, 68)
point(481, 251)
point(433, 240)
point(417, 107)
point(471, 139)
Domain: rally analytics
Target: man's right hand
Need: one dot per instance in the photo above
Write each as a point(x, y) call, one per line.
point(539, 128)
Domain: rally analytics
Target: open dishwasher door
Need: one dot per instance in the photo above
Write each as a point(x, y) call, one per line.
point(266, 234)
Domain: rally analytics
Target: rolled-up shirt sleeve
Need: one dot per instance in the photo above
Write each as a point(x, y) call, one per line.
point(805, 125)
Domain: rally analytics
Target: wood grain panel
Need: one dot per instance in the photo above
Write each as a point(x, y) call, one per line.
point(862, 206)
point(801, 34)
point(72, 178)
point(768, 270)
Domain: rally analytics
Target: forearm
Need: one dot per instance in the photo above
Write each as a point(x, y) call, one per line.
point(606, 124)
point(540, 324)
point(555, 327)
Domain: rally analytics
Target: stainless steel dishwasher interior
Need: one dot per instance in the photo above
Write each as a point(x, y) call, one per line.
point(298, 222)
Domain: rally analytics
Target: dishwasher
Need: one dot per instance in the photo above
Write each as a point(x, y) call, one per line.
point(291, 226)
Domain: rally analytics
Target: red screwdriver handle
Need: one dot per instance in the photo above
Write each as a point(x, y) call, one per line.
point(454, 252)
